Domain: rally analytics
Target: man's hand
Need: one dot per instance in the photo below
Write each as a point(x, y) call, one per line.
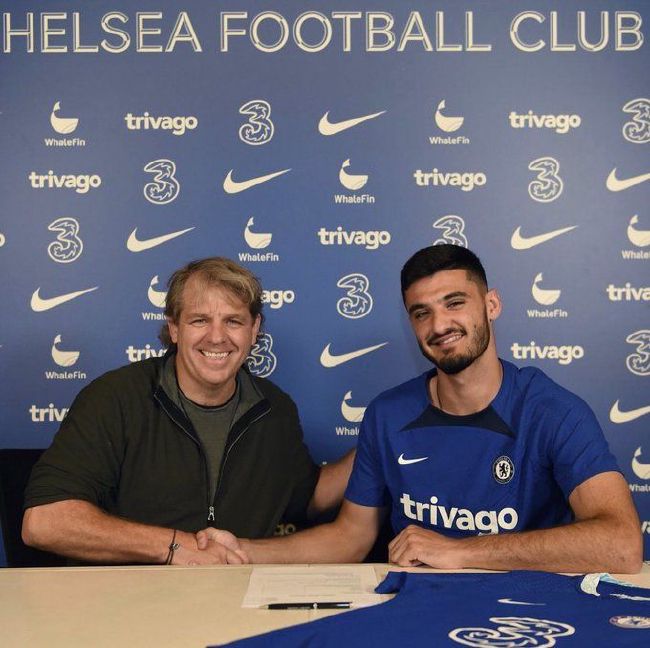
point(416, 546)
point(222, 543)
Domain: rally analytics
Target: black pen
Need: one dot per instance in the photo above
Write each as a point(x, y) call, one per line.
point(338, 605)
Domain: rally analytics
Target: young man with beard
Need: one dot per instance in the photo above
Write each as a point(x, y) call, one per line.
point(481, 464)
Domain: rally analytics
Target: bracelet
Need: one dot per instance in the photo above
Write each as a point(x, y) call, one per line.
point(173, 547)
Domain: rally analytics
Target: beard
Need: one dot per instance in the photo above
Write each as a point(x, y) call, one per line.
point(454, 363)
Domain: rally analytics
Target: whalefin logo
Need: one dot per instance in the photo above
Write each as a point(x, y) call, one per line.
point(447, 124)
point(616, 415)
point(640, 238)
point(544, 296)
point(637, 130)
point(615, 184)
point(350, 413)
point(521, 242)
point(349, 181)
point(327, 127)
point(329, 360)
point(641, 470)
point(156, 297)
point(62, 125)
point(232, 187)
point(63, 358)
point(134, 244)
point(257, 241)
point(40, 304)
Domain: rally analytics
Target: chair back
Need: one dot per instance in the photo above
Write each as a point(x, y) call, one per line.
point(15, 468)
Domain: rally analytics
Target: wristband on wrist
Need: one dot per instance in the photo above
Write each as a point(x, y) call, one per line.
point(173, 547)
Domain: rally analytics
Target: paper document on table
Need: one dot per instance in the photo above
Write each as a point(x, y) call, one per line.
point(353, 584)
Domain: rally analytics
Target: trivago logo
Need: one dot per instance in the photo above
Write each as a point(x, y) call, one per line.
point(628, 293)
point(563, 355)
point(81, 183)
point(455, 517)
point(177, 124)
point(134, 354)
point(49, 414)
point(463, 180)
point(278, 298)
point(371, 240)
point(561, 124)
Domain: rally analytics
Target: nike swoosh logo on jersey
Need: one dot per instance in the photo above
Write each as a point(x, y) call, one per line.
point(405, 462)
point(326, 127)
point(520, 242)
point(134, 244)
point(328, 359)
point(511, 602)
point(39, 304)
point(614, 184)
point(231, 186)
point(618, 416)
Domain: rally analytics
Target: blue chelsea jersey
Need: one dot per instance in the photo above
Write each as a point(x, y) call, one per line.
point(510, 467)
point(516, 610)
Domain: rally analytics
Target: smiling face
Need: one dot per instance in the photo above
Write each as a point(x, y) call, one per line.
point(450, 314)
point(214, 334)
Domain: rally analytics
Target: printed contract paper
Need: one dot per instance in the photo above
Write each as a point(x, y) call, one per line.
point(319, 584)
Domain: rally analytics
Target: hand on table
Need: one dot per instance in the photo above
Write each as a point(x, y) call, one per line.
point(416, 546)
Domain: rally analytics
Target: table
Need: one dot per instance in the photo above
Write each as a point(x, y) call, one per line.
point(157, 606)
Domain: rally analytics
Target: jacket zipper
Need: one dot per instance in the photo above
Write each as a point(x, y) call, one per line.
point(225, 459)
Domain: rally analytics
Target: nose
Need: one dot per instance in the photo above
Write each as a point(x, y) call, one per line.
point(216, 333)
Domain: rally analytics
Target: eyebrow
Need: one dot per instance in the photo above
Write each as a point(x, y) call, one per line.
point(447, 297)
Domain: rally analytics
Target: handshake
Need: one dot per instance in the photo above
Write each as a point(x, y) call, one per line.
point(208, 547)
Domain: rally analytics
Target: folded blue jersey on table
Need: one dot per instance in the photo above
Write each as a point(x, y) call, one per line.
point(512, 610)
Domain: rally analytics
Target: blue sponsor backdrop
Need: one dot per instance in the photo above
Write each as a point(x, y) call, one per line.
point(132, 134)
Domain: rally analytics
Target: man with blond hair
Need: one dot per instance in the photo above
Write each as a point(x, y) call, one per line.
point(151, 453)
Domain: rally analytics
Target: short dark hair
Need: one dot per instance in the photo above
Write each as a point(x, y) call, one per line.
point(213, 271)
point(432, 259)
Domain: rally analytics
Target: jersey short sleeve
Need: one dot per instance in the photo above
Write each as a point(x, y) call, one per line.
point(367, 485)
point(579, 450)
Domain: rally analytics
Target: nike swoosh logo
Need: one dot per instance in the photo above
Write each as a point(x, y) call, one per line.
point(520, 242)
point(231, 186)
point(614, 184)
point(134, 244)
point(327, 359)
point(326, 127)
point(39, 304)
point(617, 416)
point(405, 462)
point(511, 602)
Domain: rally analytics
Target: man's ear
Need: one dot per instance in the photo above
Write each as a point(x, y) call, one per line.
point(493, 304)
point(256, 328)
point(173, 330)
